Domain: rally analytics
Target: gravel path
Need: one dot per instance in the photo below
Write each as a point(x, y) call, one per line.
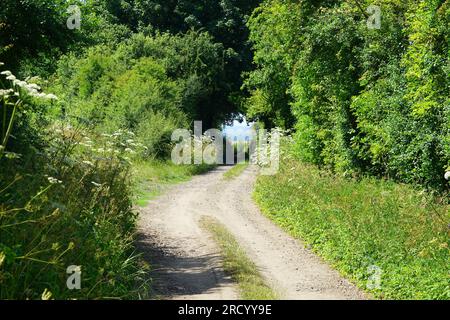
point(186, 262)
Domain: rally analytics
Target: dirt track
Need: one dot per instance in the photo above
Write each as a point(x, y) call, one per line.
point(186, 262)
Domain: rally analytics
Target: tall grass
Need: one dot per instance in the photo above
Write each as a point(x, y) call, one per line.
point(75, 210)
point(361, 225)
point(64, 201)
point(66, 197)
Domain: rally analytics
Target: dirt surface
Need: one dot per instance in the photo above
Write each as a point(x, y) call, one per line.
point(186, 262)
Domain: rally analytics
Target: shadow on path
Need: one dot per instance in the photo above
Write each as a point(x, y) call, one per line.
point(176, 274)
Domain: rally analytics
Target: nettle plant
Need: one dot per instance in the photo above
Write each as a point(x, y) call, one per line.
point(13, 95)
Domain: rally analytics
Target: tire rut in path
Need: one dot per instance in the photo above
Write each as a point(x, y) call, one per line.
point(186, 262)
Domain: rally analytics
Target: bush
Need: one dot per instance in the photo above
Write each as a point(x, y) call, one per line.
point(150, 85)
point(155, 133)
point(74, 210)
point(64, 200)
point(365, 101)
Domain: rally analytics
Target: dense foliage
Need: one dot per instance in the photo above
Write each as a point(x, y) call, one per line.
point(360, 101)
point(174, 77)
point(64, 200)
point(33, 34)
point(132, 73)
point(363, 100)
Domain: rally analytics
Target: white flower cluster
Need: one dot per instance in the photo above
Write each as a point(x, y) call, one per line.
point(31, 89)
point(447, 175)
point(6, 93)
point(117, 145)
point(267, 146)
point(54, 180)
point(125, 140)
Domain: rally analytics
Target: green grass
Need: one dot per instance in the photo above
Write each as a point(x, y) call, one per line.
point(237, 264)
point(85, 219)
point(236, 171)
point(150, 178)
point(358, 224)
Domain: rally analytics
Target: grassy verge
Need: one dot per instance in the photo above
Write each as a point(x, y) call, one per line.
point(236, 171)
point(151, 177)
point(237, 264)
point(69, 205)
point(363, 226)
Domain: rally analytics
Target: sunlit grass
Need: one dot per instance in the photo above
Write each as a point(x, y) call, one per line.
point(236, 263)
point(152, 177)
point(236, 171)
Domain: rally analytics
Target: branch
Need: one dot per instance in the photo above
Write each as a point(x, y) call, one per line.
point(361, 9)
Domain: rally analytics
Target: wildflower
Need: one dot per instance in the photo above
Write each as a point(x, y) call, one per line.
point(6, 73)
point(51, 97)
point(11, 77)
point(1, 64)
point(447, 175)
point(87, 145)
point(33, 86)
point(54, 180)
point(21, 84)
point(6, 92)
point(88, 163)
point(89, 142)
point(39, 95)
